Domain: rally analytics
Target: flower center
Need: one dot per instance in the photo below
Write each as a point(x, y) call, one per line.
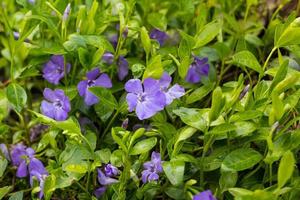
point(57, 104)
point(141, 97)
point(91, 83)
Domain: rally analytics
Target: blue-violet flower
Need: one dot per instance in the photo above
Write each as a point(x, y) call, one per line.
point(56, 104)
point(146, 99)
point(205, 195)
point(94, 78)
point(152, 168)
point(159, 35)
point(197, 69)
point(54, 69)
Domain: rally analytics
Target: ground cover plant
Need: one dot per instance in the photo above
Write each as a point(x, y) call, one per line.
point(149, 99)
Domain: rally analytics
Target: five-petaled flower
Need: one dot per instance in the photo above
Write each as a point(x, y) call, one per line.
point(152, 96)
point(205, 195)
point(197, 69)
point(94, 78)
point(159, 35)
point(56, 104)
point(146, 99)
point(55, 69)
point(23, 158)
point(106, 178)
point(152, 168)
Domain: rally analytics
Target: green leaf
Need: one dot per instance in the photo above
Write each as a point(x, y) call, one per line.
point(17, 96)
point(157, 20)
point(184, 66)
point(143, 146)
point(286, 168)
point(49, 186)
point(245, 115)
point(154, 69)
point(280, 74)
point(199, 93)
point(146, 42)
point(193, 117)
point(174, 171)
point(247, 59)
point(290, 35)
point(241, 159)
point(3, 165)
point(3, 105)
point(216, 104)
point(207, 34)
point(16, 196)
point(105, 96)
point(4, 191)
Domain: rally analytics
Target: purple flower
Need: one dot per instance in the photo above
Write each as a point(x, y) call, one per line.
point(100, 191)
point(66, 12)
point(31, 1)
point(4, 151)
point(198, 68)
point(94, 78)
point(23, 158)
point(114, 40)
point(146, 99)
point(158, 35)
point(106, 179)
point(56, 104)
point(174, 92)
point(108, 58)
point(122, 68)
point(205, 195)
point(111, 170)
point(54, 69)
point(152, 168)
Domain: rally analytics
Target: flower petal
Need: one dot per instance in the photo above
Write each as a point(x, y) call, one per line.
point(151, 85)
point(82, 87)
point(192, 75)
point(47, 109)
point(165, 80)
point(134, 86)
point(104, 180)
point(123, 68)
point(103, 81)
point(175, 92)
point(60, 114)
point(22, 170)
point(93, 74)
point(90, 98)
point(153, 177)
point(49, 94)
point(99, 191)
point(131, 101)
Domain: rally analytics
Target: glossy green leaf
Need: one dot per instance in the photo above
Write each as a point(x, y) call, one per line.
point(241, 159)
point(17, 96)
point(247, 59)
point(16, 196)
point(3, 165)
point(154, 69)
point(199, 93)
point(207, 34)
point(286, 168)
point(143, 146)
point(174, 171)
point(193, 117)
point(145, 40)
point(216, 105)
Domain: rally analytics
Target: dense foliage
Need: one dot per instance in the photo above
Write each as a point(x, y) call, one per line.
point(149, 99)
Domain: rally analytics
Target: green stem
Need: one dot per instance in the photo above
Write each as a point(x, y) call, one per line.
point(86, 191)
point(109, 124)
